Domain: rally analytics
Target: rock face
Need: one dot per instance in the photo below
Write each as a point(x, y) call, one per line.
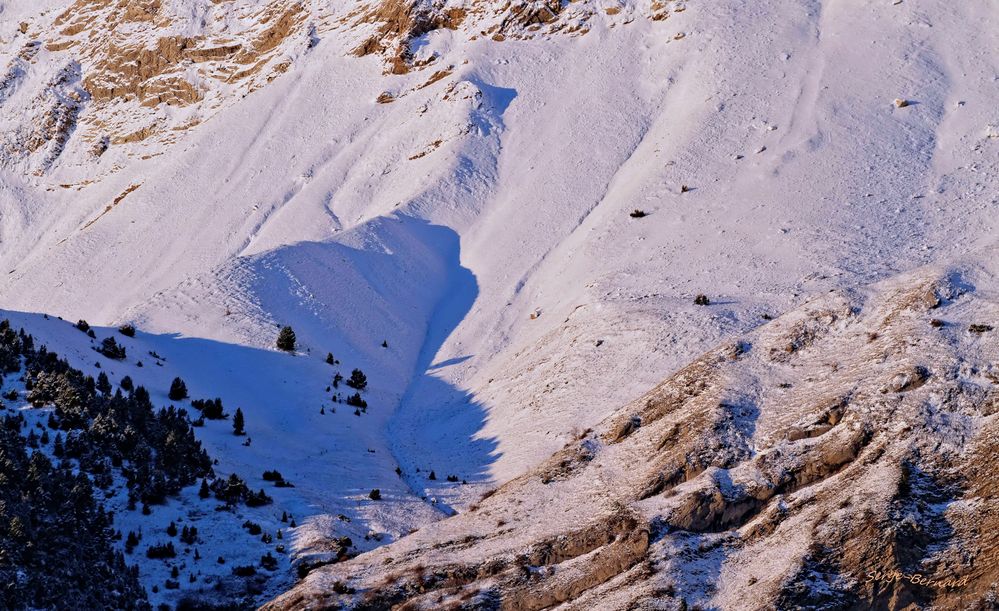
point(853, 470)
point(139, 70)
point(144, 71)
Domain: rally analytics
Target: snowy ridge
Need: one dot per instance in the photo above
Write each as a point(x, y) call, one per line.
point(833, 458)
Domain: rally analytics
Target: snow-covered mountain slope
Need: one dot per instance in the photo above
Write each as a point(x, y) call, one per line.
point(808, 465)
point(456, 180)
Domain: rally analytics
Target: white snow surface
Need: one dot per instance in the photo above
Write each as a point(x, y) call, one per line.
point(519, 301)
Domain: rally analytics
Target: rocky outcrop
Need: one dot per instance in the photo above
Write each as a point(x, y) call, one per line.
point(149, 70)
point(132, 60)
point(851, 471)
point(399, 23)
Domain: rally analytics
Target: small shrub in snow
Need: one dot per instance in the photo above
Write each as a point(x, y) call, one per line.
point(189, 536)
point(164, 550)
point(272, 476)
point(375, 494)
point(269, 562)
point(252, 527)
point(232, 490)
point(258, 499)
point(112, 349)
point(210, 408)
point(702, 300)
point(355, 400)
point(127, 330)
point(82, 325)
point(637, 214)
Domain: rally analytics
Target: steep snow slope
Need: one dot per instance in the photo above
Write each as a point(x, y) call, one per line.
point(839, 457)
point(461, 190)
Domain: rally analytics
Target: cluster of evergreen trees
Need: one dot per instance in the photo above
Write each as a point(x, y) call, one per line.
point(55, 540)
point(98, 427)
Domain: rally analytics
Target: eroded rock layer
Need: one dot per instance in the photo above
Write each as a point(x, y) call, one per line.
point(839, 457)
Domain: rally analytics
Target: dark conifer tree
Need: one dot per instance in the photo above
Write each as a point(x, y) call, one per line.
point(103, 384)
point(286, 339)
point(178, 390)
point(357, 380)
point(126, 384)
point(238, 423)
point(130, 542)
point(112, 349)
